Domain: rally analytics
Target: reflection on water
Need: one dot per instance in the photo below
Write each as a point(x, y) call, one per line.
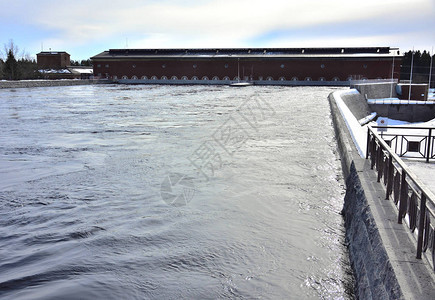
point(82, 213)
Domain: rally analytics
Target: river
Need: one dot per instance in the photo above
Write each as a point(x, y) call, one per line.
point(170, 192)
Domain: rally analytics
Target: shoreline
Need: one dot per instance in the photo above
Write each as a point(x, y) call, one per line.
point(381, 250)
point(10, 84)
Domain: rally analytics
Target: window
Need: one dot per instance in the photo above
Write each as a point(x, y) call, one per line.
point(164, 66)
point(134, 66)
point(282, 66)
point(226, 66)
point(322, 66)
point(107, 65)
point(194, 66)
point(98, 66)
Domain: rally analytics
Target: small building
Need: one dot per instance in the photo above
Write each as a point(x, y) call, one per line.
point(53, 60)
point(264, 66)
point(413, 91)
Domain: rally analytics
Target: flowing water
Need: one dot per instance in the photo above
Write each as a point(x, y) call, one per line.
point(170, 192)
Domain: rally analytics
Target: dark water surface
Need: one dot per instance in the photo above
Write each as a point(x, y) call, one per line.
point(87, 172)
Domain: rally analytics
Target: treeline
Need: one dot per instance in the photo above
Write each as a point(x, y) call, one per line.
point(12, 68)
point(16, 65)
point(83, 62)
point(420, 67)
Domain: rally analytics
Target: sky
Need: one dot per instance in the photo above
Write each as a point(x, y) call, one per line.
point(85, 28)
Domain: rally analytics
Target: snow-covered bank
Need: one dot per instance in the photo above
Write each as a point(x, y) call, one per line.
point(42, 83)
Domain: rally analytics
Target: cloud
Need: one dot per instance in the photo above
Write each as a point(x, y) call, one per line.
point(217, 23)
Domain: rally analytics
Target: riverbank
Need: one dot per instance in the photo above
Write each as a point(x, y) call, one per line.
point(43, 83)
point(381, 251)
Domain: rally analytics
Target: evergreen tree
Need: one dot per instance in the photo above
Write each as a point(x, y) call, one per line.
point(11, 67)
point(1, 68)
point(86, 62)
point(420, 68)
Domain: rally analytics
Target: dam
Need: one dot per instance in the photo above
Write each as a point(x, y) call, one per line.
point(92, 175)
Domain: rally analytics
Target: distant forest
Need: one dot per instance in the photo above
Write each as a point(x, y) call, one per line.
point(420, 69)
point(16, 65)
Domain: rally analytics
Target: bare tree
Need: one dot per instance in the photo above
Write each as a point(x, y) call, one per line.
point(11, 46)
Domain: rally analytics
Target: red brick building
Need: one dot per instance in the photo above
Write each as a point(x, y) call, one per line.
point(284, 66)
point(53, 60)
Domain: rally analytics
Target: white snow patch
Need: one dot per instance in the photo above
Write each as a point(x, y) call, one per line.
point(358, 132)
point(367, 119)
point(83, 71)
point(54, 71)
point(398, 101)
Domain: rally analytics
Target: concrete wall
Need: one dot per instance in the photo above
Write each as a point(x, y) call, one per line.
point(42, 83)
point(374, 276)
point(405, 112)
point(382, 252)
point(376, 90)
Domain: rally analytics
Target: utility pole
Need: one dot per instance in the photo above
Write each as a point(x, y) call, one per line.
point(410, 77)
point(430, 68)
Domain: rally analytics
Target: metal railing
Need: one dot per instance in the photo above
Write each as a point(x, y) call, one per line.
point(410, 144)
point(414, 201)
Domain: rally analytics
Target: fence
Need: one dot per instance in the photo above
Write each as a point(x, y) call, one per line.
point(412, 142)
point(415, 203)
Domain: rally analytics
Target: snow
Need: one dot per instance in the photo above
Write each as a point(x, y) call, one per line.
point(83, 71)
point(358, 132)
point(54, 71)
point(367, 119)
point(398, 101)
point(424, 171)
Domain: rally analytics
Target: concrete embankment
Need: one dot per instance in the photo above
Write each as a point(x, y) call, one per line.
point(42, 83)
point(382, 252)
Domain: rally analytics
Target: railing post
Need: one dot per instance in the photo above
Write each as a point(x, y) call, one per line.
point(403, 197)
point(389, 176)
point(368, 142)
point(421, 225)
point(428, 152)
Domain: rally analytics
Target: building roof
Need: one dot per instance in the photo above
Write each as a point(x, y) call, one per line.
point(248, 52)
point(51, 52)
